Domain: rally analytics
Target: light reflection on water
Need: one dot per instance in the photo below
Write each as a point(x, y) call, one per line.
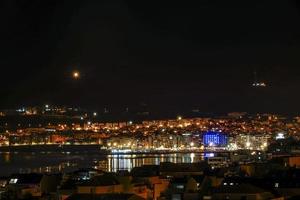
point(127, 162)
point(66, 161)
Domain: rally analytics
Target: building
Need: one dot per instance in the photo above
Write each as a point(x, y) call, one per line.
point(26, 184)
point(104, 184)
point(215, 139)
point(240, 191)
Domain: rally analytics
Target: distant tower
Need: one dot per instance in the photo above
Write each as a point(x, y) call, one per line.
point(258, 83)
point(106, 110)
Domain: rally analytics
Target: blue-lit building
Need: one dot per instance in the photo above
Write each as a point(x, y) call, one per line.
point(215, 139)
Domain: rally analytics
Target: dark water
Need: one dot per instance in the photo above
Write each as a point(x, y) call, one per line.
point(17, 162)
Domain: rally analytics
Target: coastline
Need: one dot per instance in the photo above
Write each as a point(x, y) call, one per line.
point(95, 148)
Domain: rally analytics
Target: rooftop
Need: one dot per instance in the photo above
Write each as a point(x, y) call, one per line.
point(103, 180)
point(104, 197)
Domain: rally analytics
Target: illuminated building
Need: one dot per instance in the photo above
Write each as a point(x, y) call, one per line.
point(214, 139)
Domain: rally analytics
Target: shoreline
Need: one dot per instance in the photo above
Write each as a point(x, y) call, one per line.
point(94, 148)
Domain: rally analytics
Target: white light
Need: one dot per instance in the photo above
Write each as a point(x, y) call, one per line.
point(95, 114)
point(265, 144)
point(13, 181)
point(121, 150)
point(248, 144)
point(192, 157)
point(279, 136)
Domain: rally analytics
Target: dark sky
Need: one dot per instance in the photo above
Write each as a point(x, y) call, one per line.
point(170, 56)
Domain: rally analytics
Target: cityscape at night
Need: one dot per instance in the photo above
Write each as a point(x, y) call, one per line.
point(76, 146)
point(140, 100)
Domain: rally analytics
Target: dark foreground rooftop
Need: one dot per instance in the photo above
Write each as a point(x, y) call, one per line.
point(104, 197)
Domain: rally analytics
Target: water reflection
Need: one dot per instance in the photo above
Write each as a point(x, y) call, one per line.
point(6, 157)
point(127, 162)
point(66, 162)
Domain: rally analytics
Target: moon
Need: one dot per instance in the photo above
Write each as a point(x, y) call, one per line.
point(76, 74)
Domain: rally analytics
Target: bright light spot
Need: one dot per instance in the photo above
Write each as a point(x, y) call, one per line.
point(192, 144)
point(76, 75)
point(279, 136)
point(192, 157)
point(95, 114)
point(13, 181)
point(265, 144)
point(209, 155)
point(259, 84)
point(248, 144)
point(179, 118)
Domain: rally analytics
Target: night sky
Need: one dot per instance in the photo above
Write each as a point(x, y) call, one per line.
point(168, 56)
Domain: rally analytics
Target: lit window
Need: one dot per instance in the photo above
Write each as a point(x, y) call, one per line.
point(13, 181)
point(180, 187)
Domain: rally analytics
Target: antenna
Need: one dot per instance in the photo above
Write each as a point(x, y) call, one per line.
point(257, 83)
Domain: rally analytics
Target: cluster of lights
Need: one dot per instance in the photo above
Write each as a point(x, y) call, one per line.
point(280, 136)
point(259, 84)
